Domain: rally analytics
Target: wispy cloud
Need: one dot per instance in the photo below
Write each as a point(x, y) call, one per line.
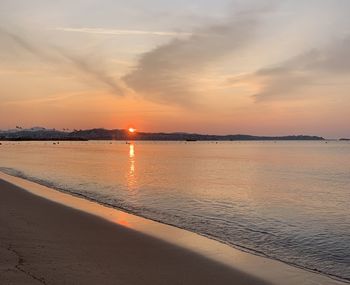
point(168, 73)
point(122, 32)
point(288, 79)
point(57, 56)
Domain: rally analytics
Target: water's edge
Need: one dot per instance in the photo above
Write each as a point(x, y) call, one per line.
point(19, 174)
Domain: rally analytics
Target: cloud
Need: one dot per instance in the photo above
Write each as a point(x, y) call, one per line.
point(287, 80)
point(168, 73)
point(92, 70)
point(122, 32)
point(58, 57)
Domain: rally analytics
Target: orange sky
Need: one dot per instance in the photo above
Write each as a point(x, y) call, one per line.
point(269, 69)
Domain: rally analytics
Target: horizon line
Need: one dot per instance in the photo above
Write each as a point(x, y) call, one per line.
point(70, 130)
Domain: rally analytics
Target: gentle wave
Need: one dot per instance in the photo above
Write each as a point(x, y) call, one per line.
point(164, 217)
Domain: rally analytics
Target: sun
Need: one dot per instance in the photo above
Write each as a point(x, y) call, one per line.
point(132, 130)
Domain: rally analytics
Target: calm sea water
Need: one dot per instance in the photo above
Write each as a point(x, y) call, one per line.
point(286, 200)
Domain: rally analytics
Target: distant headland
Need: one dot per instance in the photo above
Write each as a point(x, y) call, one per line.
point(42, 134)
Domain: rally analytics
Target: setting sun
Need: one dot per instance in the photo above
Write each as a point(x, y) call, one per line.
point(132, 130)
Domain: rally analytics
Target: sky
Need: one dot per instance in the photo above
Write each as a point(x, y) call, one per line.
point(262, 67)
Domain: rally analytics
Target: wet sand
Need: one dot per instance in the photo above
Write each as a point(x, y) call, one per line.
point(43, 242)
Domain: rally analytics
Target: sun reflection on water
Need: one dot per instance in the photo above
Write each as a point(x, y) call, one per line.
point(131, 175)
point(131, 150)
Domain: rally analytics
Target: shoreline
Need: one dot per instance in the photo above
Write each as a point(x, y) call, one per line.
point(126, 211)
point(237, 263)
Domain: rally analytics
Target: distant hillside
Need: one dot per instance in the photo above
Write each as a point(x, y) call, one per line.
point(37, 134)
point(103, 134)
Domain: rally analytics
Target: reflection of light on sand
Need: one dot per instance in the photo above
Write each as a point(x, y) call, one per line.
point(122, 219)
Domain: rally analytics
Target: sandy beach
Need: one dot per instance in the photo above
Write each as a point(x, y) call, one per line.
point(43, 242)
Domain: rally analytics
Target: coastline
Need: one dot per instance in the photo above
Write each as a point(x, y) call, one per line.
point(169, 253)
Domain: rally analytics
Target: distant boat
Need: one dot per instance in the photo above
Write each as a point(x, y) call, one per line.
point(191, 140)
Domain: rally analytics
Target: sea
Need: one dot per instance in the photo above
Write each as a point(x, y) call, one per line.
point(288, 201)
